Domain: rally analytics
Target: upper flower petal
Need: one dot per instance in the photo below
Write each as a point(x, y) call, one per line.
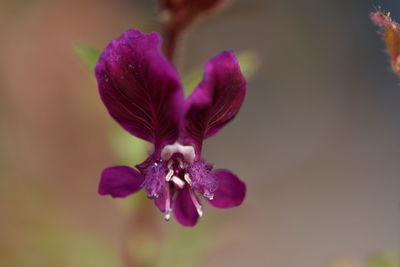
point(185, 210)
point(120, 181)
point(140, 88)
point(231, 190)
point(216, 100)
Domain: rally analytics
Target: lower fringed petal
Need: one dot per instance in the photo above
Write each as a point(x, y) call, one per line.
point(231, 190)
point(154, 181)
point(202, 178)
point(185, 210)
point(120, 181)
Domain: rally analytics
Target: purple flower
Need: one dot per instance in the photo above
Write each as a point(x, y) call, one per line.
point(143, 93)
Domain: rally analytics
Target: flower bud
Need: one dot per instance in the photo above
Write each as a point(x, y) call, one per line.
point(391, 34)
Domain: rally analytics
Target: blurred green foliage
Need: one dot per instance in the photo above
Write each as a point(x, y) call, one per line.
point(177, 247)
point(67, 248)
point(32, 236)
point(184, 247)
point(385, 260)
point(88, 54)
point(129, 149)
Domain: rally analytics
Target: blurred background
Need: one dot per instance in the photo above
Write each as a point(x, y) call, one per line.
point(317, 140)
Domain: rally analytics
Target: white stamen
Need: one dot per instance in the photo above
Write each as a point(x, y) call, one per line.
point(196, 202)
point(200, 211)
point(167, 204)
point(187, 179)
point(209, 196)
point(167, 215)
point(187, 152)
point(169, 175)
point(178, 181)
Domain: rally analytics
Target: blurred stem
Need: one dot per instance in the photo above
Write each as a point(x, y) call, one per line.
point(127, 259)
point(173, 28)
point(142, 225)
point(172, 38)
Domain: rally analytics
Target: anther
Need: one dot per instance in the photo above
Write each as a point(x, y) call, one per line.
point(209, 196)
point(178, 181)
point(167, 215)
point(187, 179)
point(200, 211)
point(169, 175)
point(152, 196)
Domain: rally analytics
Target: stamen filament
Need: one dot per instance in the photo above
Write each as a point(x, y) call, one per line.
point(196, 203)
point(167, 204)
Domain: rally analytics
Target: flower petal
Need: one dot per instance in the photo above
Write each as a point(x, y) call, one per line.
point(185, 210)
point(231, 190)
point(216, 100)
point(120, 181)
point(140, 88)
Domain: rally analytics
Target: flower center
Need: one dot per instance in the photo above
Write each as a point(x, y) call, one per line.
point(178, 159)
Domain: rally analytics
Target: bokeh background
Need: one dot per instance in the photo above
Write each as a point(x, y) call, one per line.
point(317, 140)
